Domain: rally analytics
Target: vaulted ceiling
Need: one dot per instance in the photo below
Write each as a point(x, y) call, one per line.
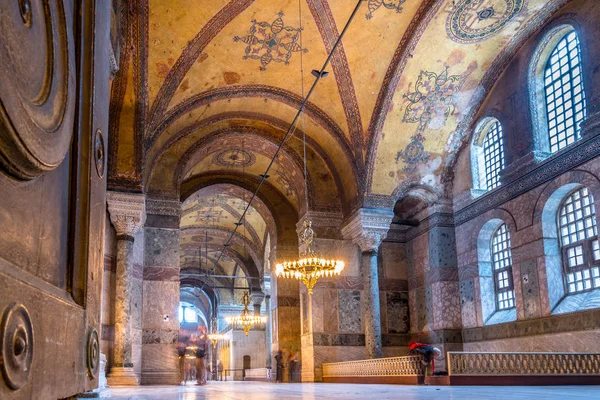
point(206, 90)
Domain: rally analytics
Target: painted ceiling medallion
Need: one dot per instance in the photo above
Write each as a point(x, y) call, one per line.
point(271, 42)
point(235, 158)
point(472, 21)
point(390, 4)
point(429, 105)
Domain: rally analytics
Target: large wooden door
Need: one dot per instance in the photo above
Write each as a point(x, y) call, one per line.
point(54, 81)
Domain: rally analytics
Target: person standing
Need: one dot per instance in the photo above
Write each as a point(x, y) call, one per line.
point(279, 363)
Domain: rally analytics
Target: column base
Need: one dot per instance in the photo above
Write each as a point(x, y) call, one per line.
point(123, 376)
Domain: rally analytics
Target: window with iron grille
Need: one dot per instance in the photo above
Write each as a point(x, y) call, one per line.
point(502, 264)
point(493, 155)
point(579, 241)
point(565, 98)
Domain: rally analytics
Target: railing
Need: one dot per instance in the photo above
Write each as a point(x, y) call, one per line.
point(258, 373)
point(539, 364)
point(393, 366)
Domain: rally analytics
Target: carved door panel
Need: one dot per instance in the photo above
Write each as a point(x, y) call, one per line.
point(54, 81)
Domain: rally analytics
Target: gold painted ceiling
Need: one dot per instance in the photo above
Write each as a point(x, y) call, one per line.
point(206, 91)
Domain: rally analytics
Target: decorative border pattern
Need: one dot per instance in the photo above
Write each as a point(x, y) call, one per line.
point(510, 364)
point(393, 366)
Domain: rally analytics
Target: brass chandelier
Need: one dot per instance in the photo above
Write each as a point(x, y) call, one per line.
point(247, 319)
point(214, 336)
point(310, 267)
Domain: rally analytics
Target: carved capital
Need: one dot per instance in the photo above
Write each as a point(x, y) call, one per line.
point(127, 212)
point(368, 227)
point(257, 297)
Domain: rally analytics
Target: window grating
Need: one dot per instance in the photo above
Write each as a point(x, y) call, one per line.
point(579, 240)
point(502, 263)
point(565, 99)
point(493, 155)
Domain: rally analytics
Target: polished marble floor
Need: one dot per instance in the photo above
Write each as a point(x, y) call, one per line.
point(322, 391)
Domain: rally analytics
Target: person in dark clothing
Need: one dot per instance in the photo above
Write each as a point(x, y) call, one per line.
point(279, 363)
point(427, 351)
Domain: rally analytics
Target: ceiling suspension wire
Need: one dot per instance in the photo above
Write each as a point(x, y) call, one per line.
point(291, 129)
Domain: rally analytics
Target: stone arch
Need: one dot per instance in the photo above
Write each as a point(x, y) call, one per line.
point(490, 315)
point(479, 184)
point(545, 216)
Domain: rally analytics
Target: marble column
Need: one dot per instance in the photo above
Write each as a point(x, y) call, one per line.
point(268, 333)
point(367, 228)
point(127, 214)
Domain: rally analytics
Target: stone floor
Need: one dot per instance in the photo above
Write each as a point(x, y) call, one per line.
point(319, 391)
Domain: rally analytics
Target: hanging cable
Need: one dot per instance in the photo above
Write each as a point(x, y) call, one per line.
point(318, 75)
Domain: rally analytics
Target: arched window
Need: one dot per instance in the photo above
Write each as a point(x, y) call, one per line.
point(502, 264)
point(487, 155)
point(493, 155)
point(579, 241)
point(563, 86)
point(495, 280)
point(557, 93)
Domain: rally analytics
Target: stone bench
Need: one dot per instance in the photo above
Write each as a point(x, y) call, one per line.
point(479, 368)
point(406, 370)
point(257, 374)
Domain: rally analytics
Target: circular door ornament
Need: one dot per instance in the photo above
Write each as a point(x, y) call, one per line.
point(93, 353)
point(472, 21)
point(16, 345)
point(99, 157)
point(37, 86)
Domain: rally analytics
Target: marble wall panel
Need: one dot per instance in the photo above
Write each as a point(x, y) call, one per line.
point(108, 296)
point(161, 247)
point(467, 303)
point(419, 256)
point(442, 247)
point(349, 306)
point(304, 312)
point(136, 350)
point(161, 300)
point(578, 341)
point(344, 250)
point(335, 354)
point(161, 273)
point(330, 311)
point(394, 260)
point(317, 310)
point(446, 305)
point(413, 310)
point(383, 312)
point(398, 320)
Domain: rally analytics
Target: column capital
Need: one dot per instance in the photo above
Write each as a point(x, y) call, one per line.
point(367, 227)
point(257, 297)
point(127, 212)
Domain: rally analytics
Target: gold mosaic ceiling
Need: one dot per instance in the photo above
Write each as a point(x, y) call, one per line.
point(207, 89)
